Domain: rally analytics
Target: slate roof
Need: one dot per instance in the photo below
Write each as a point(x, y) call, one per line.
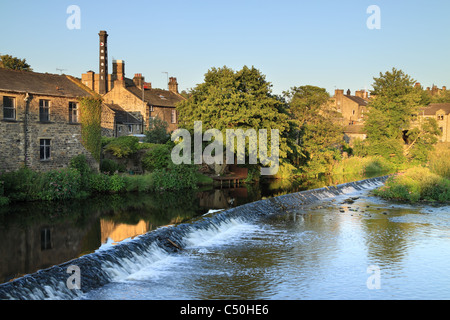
point(358, 100)
point(122, 116)
point(432, 108)
point(40, 83)
point(155, 97)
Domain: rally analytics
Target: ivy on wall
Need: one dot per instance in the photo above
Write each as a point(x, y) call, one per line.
point(91, 130)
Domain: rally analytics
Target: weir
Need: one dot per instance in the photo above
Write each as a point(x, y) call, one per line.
point(103, 266)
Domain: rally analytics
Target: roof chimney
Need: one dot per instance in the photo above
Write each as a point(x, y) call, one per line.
point(138, 80)
point(119, 71)
point(173, 85)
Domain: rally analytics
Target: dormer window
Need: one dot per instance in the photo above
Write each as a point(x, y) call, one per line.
point(440, 117)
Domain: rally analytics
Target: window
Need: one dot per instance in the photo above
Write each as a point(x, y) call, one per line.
point(46, 240)
point(44, 110)
point(9, 108)
point(173, 118)
point(130, 128)
point(151, 109)
point(440, 117)
point(73, 112)
point(44, 149)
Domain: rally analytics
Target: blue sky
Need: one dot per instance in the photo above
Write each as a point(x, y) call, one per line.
point(294, 43)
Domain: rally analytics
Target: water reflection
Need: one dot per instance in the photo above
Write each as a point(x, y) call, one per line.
point(36, 236)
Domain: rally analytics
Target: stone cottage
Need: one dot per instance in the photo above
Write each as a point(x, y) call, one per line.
point(40, 120)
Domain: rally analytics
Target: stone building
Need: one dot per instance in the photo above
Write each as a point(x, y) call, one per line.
point(440, 112)
point(39, 120)
point(116, 122)
point(134, 96)
point(352, 107)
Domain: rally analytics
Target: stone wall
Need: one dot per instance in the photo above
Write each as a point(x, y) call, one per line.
point(20, 138)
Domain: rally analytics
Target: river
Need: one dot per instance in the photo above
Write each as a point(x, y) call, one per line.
point(351, 246)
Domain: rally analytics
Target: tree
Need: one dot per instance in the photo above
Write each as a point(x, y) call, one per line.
point(157, 131)
point(9, 62)
point(229, 99)
point(319, 134)
point(394, 101)
point(422, 139)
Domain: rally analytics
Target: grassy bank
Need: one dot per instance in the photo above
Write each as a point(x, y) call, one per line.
point(364, 165)
point(414, 185)
point(421, 183)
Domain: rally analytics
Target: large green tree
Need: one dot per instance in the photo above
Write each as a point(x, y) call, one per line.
point(9, 62)
point(320, 134)
point(394, 101)
point(242, 99)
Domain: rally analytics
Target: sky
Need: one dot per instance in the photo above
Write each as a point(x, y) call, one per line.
point(293, 43)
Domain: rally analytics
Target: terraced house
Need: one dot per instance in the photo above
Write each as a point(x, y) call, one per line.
point(40, 120)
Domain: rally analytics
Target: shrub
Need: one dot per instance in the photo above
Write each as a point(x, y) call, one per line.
point(157, 157)
point(138, 183)
point(61, 184)
point(175, 177)
point(109, 166)
point(123, 147)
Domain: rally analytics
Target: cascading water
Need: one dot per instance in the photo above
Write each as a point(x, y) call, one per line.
point(104, 266)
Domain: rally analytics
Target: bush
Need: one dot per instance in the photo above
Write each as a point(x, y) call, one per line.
point(61, 184)
point(139, 183)
point(109, 166)
point(157, 157)
point(23, 184)
point(175, 177)
point(80, 163)
point(122, 147)
point(103, 183)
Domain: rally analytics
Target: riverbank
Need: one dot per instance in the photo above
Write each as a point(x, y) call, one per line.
point(414, 185)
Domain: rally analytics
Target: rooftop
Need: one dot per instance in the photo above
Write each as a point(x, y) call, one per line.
point(40, 83)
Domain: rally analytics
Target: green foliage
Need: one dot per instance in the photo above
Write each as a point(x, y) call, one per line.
point(123, 147)
point(422, 140)
point(138, 183)
point(363, 165)
point(157, 157)
point(241, 99)
point(80, 163)
point(319, 136)
point(109, 166)
point(414, 185)
point(103, 183)
point(395, 100)
point(175, 177)
point(61, 184)
point(157, 131)
point(9, 62)
point(439, 161)
point(90, 118)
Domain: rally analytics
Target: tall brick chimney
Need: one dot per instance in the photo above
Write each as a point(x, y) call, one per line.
point(173, 85)
point(103, 63)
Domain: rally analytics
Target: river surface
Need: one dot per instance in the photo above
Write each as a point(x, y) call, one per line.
point(352, 246)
